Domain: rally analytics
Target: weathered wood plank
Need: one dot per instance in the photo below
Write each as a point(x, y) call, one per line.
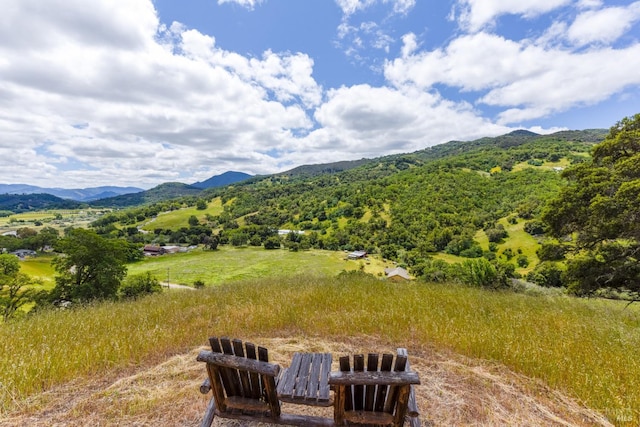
point(271, 394)
point(369, 418)
point(246, 404)
point(412, 406)
point(345, 366)
point(234, 362)
point(232, 384)
point(323, 391)
point(370, 391)
point(289, 382)
point(209, 414)
point(284, 419)
point(302, 378)
point(392, 396)
point(311, 392)
point(381, 394)
point(217, 389)
point(401, 405)
point(238, 351)
point(358, 390)
point(340, 403)
point(366, 378)
point(254, 378)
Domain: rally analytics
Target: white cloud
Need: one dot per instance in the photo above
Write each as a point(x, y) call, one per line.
point(528, 80)
point(365, 121)
point(604, 25)
point(409, 44)
point(164, 98)
point(249, 4)
point(474, 15)
point(349, 7)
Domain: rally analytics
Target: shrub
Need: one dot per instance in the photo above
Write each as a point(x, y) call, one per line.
point(480, 272)
point(140, 284)
point(198, 284)
point(474, 251)
point(496, 234)
point(534, 228)
point(522, 261)
point(272, 242)
point(547, 274)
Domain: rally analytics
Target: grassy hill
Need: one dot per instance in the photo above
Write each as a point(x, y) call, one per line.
point(406, 208)
point(552, 339)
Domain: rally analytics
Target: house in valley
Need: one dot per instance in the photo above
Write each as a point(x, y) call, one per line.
point(397, 274)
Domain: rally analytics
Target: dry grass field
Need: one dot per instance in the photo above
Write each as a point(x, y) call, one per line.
point(455, 391)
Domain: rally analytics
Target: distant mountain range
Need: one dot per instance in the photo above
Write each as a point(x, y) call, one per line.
point(77, 194)
point(226, 178)
point(108, 192)
point(21, 197)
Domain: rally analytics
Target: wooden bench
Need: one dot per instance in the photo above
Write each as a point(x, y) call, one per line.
point(306, 381)
point(246, 386)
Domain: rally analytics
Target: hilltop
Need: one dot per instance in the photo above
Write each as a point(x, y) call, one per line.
point(456, 390)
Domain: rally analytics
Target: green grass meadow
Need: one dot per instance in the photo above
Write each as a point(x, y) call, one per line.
point(39, 268)
point(229, 264)
point(173, 220)
point(586, 348)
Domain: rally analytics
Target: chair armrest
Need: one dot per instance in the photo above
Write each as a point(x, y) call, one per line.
point(236, 362)
point(373, 378)
point(205, 386)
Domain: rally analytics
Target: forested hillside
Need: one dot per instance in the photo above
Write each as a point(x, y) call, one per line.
point(28, 202)
point(404, 207)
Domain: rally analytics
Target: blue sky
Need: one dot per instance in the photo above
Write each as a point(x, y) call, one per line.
point(141, 92)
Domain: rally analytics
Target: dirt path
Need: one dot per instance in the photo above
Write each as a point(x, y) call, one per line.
point(455, 391)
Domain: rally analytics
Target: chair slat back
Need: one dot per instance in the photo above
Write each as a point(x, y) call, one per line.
point(365, 401)
point(243, 383)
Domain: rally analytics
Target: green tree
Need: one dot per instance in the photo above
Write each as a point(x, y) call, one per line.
point(201, 204)
point(13, 287)
point(272, 242)
point(9, 265)
point(601, 207)
point(89, 267)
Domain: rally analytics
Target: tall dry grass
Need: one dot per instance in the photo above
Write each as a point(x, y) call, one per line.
point(585, 348)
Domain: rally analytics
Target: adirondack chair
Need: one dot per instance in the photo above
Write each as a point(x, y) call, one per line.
point(244, 386)
point(381, 394)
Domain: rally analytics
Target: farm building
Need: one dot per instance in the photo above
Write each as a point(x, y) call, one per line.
point(397, 274)
point(357, 255)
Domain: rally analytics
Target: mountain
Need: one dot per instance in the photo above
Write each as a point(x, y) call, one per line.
point(168, 190)
point(226, 178)
point(33, 202)
point(77, 194)
point(323, 168)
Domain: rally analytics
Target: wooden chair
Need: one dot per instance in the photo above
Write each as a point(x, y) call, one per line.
point(243, 383)
point(245, 387)
point(378, 394)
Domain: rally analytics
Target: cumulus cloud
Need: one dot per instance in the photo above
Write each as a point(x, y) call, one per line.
point(249, 4)
point(604, 25)
point(382, 119)
point(529, 80)
point(145, 94)
point(349, 7)
point(105, 93)
point(474, 15)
